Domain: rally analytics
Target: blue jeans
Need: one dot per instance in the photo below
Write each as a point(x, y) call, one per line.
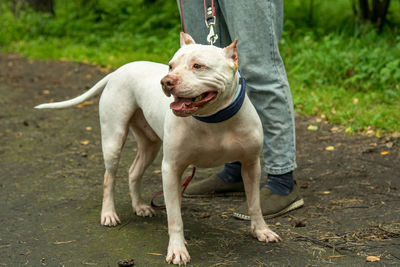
point(257, 25)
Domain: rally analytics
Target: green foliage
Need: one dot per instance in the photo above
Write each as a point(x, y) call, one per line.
point(96, 30)
point(337, 67)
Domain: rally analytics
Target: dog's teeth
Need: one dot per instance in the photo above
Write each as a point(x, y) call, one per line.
point(200, 97)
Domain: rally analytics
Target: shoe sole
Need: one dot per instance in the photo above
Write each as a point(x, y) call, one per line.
point(228, 194)
point(295, 205)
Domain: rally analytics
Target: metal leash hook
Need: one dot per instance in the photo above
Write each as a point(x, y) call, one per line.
point(212, 37)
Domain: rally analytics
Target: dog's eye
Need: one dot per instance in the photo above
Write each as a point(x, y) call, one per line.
point(169, 67)
point(197, 66)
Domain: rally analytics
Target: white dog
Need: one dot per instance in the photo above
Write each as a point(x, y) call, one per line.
point(203, 80)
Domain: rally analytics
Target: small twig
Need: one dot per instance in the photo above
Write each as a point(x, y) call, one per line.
point(88, 263)
point(63, 242)
point(229, 263)
point(125, 224)
point(318, 242)
point(379, 226)
point(375, 162)
point(394, 256)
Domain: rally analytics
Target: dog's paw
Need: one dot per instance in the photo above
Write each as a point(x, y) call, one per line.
point(178, 255)
point(144, 210)
point(266, 235)
point(109, 219)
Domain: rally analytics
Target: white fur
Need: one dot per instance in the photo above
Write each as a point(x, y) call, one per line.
point(133, 99)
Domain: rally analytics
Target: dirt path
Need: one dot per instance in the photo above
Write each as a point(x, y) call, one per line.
point(51, 184)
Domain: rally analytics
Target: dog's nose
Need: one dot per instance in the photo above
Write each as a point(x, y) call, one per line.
point(168, 84)
point(168, 81)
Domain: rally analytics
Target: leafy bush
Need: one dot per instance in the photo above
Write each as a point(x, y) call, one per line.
point(337, 67)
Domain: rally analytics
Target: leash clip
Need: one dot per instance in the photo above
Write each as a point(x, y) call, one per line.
point(210, 21)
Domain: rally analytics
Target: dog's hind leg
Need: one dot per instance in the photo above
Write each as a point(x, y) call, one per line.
point(148, 145)
point(112, 145)
point(115, 114)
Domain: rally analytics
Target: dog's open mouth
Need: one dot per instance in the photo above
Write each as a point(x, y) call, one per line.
point(182, 105)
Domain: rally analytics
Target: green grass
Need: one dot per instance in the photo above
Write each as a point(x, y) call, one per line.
point(352, 81)
point(337, 68)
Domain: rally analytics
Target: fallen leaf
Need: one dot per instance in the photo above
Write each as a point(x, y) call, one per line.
point(349, 130)
point(383, 153)
point(88, 76)
point(372, 258)
point(88, 128)
point(46, 92)
point(84, 142)
point(355, 101)
point(157, 171)
point(299, 223)
point(305, 185)
point(312, 127)
point(329, 148)
point(86, 103)
point(389, 144)
point(126, 262)
point(204, 215)
point(326, 192)
point(278, 224)
point(334, 129)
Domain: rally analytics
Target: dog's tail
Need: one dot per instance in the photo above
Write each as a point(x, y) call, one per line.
point(95, 90)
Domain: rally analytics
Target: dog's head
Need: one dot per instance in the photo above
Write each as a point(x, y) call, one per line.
point(201, 78)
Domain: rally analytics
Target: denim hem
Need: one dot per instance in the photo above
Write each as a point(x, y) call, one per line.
point(278, 171)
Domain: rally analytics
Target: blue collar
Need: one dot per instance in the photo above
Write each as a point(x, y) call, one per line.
point(230, 110)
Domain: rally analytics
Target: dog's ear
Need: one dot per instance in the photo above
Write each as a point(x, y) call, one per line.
point(231, 52)
point(186, 39)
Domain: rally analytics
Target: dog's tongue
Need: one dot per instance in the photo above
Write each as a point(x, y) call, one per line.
point(181, 104)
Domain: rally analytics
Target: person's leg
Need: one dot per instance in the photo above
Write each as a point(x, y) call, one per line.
point(258, 27)
point(229, 180)
point(255, 25)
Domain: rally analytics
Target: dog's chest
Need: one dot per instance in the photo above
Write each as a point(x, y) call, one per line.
point(214, 146)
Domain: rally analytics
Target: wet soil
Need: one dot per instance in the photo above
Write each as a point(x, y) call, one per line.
point(51, 173)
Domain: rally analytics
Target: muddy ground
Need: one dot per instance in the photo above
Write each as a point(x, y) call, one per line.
point(51, 173)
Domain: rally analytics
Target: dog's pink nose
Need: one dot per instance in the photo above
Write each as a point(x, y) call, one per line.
point(169, 81)
point(168, 84)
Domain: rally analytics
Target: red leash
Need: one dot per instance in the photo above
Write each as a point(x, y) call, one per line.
point(184, 185)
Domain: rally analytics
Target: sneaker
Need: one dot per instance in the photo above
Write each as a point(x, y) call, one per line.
point(213, 186)
point(273, 205)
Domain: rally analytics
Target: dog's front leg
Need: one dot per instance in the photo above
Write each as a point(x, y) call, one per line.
point(251, 172)
point(177, 252)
